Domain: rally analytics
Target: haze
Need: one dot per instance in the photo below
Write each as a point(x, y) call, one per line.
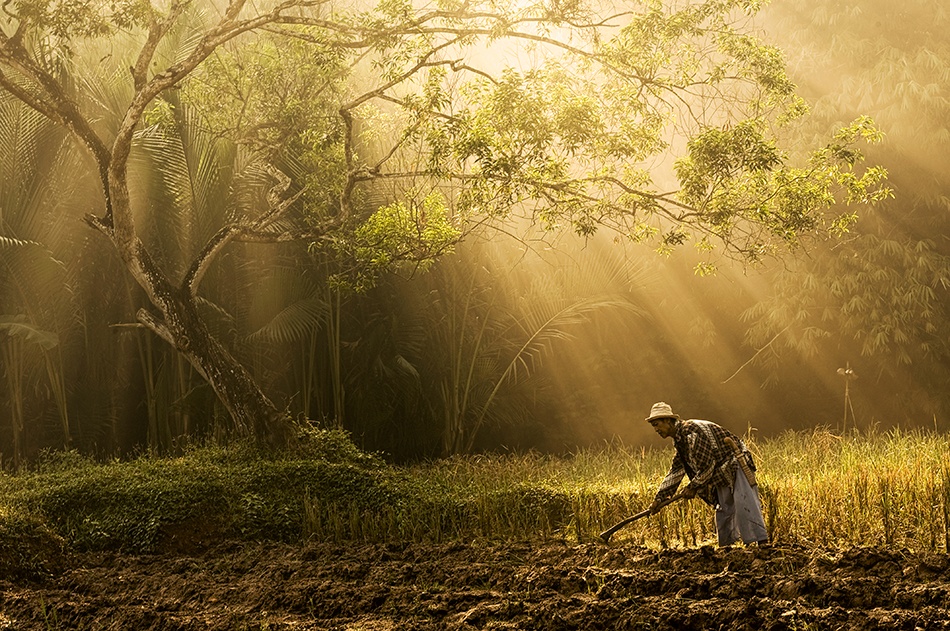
point(570, 339)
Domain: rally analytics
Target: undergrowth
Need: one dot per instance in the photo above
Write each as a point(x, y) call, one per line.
point(890, 489)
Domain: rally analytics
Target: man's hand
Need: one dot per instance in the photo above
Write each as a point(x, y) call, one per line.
point(687, 493)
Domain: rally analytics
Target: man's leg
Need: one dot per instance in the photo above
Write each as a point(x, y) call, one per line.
point(726, 517)
point(748, 511)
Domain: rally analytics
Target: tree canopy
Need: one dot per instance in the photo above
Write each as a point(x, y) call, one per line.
point(387, 133)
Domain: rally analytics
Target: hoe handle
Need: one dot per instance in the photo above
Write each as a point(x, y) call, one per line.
point(607, 534)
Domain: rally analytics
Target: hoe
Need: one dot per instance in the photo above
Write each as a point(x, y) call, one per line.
point(607, 534)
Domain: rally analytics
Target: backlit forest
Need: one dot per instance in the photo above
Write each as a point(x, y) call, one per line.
point(388, 242)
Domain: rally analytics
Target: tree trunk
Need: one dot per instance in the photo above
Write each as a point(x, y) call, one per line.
point(174, 317)
point(251, 411)
point(179, 323)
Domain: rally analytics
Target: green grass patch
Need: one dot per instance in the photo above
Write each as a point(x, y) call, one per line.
point(206, 495)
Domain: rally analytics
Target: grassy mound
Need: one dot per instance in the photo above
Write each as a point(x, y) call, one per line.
point(152, 504)
point(28, 548)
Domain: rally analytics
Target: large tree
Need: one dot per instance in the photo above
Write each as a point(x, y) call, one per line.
point(390, 131)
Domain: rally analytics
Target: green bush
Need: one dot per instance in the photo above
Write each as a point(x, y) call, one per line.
point(209, 493)
point(124, 506)
point(274, 494)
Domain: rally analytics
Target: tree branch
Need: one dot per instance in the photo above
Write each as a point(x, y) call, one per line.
point(156, 32)
point(405, 75)
point(51, 101)
point(229, 232)
point(153, 324)
point(757, 353)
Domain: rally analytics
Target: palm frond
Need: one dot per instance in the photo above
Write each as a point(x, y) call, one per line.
point(548, 326)
point(19, 325)
point(108, 88)
point(18, 136)
point(555, 327)
point(32, 277)
point(31, 152)
point(10, 242)
point(399, 371)
point(293, 323)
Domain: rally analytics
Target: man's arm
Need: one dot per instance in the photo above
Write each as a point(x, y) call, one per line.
point(671, 482)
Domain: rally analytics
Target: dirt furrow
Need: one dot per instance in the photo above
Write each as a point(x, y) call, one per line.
point(546, 586)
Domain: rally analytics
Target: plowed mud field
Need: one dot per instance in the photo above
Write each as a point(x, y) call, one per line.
point(545, 586)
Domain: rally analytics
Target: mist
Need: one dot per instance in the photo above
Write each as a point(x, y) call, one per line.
point(542, 340)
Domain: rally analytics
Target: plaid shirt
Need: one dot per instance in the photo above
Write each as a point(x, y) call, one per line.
point(703, 455)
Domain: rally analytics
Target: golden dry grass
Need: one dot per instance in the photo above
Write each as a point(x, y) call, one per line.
point(817, 488)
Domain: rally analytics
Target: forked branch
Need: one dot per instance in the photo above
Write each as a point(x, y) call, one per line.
point(277, 206)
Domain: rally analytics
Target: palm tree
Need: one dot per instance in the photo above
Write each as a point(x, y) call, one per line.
point(36, 311)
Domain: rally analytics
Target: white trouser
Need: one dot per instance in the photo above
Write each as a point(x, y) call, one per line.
point(739, 514)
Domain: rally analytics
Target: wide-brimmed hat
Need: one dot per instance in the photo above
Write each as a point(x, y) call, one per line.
point(661, 410)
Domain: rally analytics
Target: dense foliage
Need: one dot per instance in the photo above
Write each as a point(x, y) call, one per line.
point(878, 299)
point(241, 169)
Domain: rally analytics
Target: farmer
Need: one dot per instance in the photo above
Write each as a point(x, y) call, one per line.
point(714, 475)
